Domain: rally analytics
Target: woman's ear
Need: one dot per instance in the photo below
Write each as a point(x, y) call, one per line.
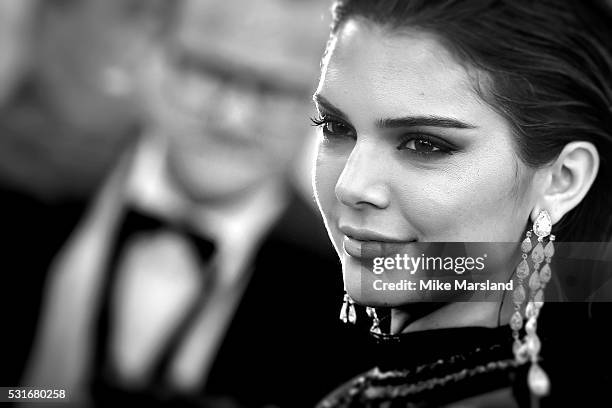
point(568, 180)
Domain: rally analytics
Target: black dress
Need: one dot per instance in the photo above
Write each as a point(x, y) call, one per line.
point(439, 367)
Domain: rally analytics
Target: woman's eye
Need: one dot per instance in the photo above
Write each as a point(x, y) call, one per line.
point(423, 146)
point(333, 128)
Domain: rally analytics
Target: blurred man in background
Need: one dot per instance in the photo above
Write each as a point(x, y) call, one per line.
point(15, 26)
point(67, 110)
point(200, 276)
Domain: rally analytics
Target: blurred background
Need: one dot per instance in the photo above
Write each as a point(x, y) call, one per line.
point(161, 242)
point(161, 245)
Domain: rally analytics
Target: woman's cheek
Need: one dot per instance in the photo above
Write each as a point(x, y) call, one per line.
point(432, 206)
point(476, 208)
point(325, 177)
point(326, 174)
point(442, 207)
point(328, 168)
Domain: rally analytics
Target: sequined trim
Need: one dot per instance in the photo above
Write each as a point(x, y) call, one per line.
point(394, 391)
point(362, 391)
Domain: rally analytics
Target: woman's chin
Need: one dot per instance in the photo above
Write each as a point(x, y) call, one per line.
point(369, 290)
point(376, 299)
point(387, 290)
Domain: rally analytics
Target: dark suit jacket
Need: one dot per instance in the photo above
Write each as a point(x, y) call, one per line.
point(285, 346)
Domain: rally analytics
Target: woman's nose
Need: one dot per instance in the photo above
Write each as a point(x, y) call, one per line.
point(362, 181)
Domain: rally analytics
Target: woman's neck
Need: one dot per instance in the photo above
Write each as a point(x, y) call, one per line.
point(491, 311)
point(456, 314)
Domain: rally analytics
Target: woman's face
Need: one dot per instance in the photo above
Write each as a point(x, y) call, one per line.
point(409, 152)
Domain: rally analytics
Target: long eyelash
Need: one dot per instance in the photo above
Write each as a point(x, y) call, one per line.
point(318, 121)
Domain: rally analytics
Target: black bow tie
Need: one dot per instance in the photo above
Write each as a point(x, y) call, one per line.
point(136, 221)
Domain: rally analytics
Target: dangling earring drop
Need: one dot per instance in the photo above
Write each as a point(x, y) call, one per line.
point(347, 312)
point(529, 348)
point(375, 320)
point(518, 297)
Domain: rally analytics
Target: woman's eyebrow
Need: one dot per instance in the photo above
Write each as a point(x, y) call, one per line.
point(326, 105)
point(408, 121)
point(421, 121)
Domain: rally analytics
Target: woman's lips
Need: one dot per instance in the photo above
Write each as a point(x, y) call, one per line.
point(373, 249)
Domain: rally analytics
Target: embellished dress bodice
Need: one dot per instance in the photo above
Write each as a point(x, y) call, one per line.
point(433, 368)
point(475, 366)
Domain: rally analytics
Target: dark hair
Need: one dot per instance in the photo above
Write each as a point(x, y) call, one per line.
point(548, 66)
